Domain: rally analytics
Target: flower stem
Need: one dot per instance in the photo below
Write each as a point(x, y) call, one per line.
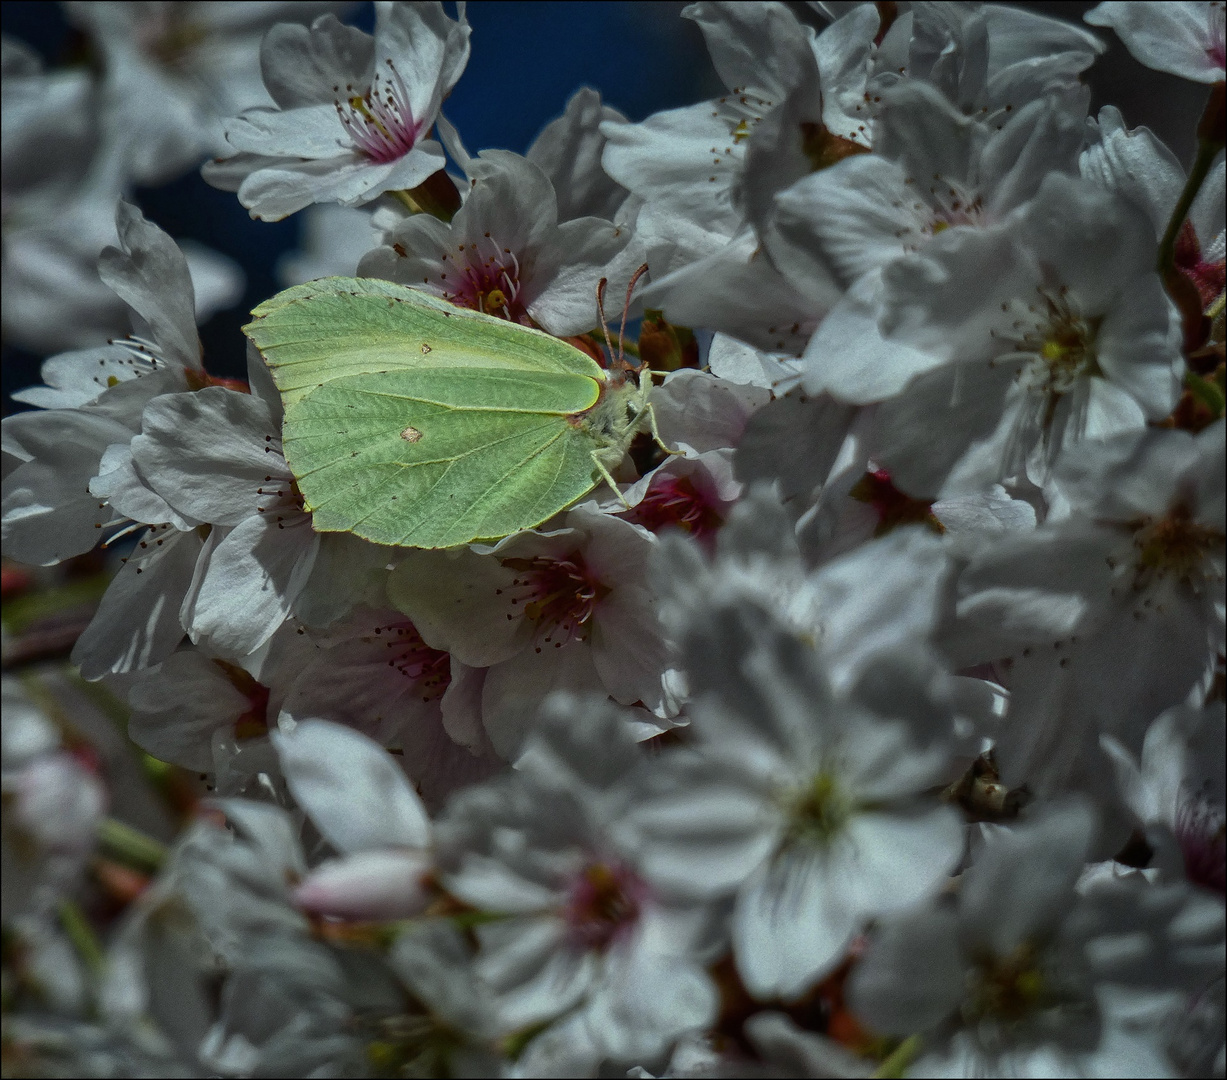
point(130, 846)
point(80, 933)
point(436, 195)
point(405, 199)
point(1206, 152)
point(897, 1062)
point(1210, 141)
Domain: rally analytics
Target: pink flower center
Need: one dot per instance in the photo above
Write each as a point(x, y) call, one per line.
point(1200, 832)
point(485, 278)
point(675, 501)
point(1216, 49)
point(948, 204)
point(1175, 545)
point(559, 595)
point(429, 669)
point(380, 122)
point(603, 905)
point(1209, 277)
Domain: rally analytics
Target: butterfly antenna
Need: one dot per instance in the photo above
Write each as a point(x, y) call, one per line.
point(600, 307)
point(626, 310)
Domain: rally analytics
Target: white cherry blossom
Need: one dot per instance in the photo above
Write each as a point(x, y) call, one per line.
point(1049, 329)
point(561, 609)
point(507, 252)
point(1011, 979)
point(353, 113)
point(588, 936)
point(1186, 37)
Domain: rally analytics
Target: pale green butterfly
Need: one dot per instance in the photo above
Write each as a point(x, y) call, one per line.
point(413, 422)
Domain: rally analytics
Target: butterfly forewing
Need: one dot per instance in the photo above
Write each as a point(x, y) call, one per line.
point(336, 327)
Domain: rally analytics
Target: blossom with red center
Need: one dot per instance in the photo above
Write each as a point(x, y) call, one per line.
point(429, 669)
point(566, 608)
point(357, 123)
point(558, 594)
point(675, 501)
point(380, 122)
point(484, 280)
point(504, 252)
point(372, 671)
point(590, 932)
point(1209, 277)
point(1202, 836)
point(603, 905)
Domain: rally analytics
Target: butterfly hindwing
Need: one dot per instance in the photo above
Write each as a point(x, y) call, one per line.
point(425, 459)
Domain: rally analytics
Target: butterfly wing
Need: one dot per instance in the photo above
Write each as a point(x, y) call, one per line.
point(337, 327)
point(437, 457)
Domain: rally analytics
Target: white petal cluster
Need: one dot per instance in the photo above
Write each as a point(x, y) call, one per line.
point(872, 724)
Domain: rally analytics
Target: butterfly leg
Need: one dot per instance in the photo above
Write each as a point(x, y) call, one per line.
point(656, 432)
point(600, 465)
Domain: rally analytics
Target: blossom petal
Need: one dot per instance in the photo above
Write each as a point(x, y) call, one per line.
point(209, 454)
point(789, 926)
point(1173, 37)
point(351, 788)
point(137, 624)
point(302, 66)
point(249, 582)
point(383, 885)
point(911, 977)
point(49, 514)
point(150, 274)
point(453, 598)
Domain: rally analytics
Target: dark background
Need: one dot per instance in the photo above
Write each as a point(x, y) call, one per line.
point(527, 59)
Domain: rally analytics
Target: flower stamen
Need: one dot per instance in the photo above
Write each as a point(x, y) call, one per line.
point(430, 670)
point(559, 595)
point(380, 122)
point(1173, 545)
point(603, 905)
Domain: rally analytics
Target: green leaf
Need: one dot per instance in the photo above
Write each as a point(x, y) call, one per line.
point(412, 422)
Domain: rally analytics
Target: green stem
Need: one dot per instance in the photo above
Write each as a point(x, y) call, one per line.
point(896, 1064)
point(1207, 150)
point(436, 196)
point(81, 934)
point(130, 846)
point(407, 200)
